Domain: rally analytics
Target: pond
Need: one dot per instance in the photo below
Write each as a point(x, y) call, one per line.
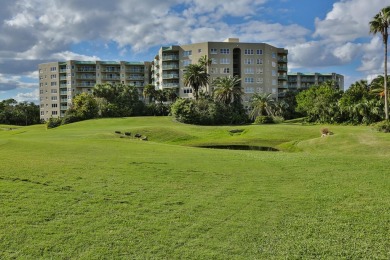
point(241, 147)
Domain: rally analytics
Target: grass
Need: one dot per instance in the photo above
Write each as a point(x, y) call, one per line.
point(80, 191)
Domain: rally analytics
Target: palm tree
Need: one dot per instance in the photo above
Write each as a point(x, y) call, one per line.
point(377, 86)
point(171, 94)
point(205, 62)
point(261, 105)
point(380, 24)
point(227, 90)
point(196, 77)
point(149, 92)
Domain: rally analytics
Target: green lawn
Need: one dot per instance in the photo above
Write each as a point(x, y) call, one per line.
point(81, 192)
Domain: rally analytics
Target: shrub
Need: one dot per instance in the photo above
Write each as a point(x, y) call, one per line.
point(263, 120)
point(118, 132)
point(53, 122)
point(127, 133)
point(383, 126)
point(278, 119)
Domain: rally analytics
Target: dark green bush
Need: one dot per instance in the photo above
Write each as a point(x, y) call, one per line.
point(264, 120)
point(383, 126)
point(53, 122)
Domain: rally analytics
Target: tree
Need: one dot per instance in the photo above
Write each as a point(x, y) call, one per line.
point(196, 77)
point(171, 94)
point(205, 62)
point(320, 103)
point(262, 104)
point(227, 90)
point(85, 106)
point(149, 92)
point(380, 24)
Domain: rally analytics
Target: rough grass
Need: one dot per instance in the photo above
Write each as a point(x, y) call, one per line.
point(80, 191)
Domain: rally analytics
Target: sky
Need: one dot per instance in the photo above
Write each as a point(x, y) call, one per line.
point(321, 35)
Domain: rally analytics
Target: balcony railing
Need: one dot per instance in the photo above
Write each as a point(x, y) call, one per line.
point(282, 68)
point(86, 84)
point(64, 100)
point(136, 78)
point(111, 78)
point(170, 67)
point(170, 57)
point(86, 69)
point(63, 107)
point(170, 85)
point(63, 92)
point(63, 85)
point(282, 77)
point(170, 76)
point(86, 77)
point(282, 59)
point(135, 70)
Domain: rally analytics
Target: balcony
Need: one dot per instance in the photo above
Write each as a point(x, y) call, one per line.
point(63, 93)
point(170, 85)
point(170, 76)
point(63, 70)
point(63, 85)
point(170, 67)
point(136, 78)
point(282, 59)
point(86, 69)
point(170, 57)
point(282, 68)
point(284, 86)
point(282, 77)
point(64, 100)
point(135, 70)
point(63, 107)
point(91, 85)
point(86, 76)
point(111, 77)
point(63, 77)
point(111, 70)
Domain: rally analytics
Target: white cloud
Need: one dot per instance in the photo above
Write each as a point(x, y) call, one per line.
point(348, 20)
point(32, 96)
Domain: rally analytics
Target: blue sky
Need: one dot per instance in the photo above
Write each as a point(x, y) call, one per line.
point(321, 35)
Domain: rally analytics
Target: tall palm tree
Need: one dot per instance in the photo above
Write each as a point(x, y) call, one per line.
point(227, 90)
point(196, 77)
point(149, 92)
point(380, 24)
point(205, 62)
point(261, 105)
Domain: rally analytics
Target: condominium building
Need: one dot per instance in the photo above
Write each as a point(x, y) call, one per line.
point(59, 82)
point(261, 67)
point(305, 80)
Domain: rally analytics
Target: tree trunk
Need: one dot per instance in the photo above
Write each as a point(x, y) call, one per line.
point(385, 83)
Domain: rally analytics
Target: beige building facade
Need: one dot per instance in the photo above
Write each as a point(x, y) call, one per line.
point(59, 82)
point(261, 67)
point(300, 80)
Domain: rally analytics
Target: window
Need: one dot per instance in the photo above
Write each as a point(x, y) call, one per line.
point(273, 72)
point(53, 68)
point(187, 53)
point(53, 83)
point(259, 61)
point(224, 61)
point(273, 64)
point(274, 55)
point(40, 85)
point(54, 76)
point(259, 80)
point(225, 51)
point(41, 78)
point(186, 62)
point(42, 113)
point(41, 91)
point(187, 90)
point(274, 82)
point(248, 61)
point(53, 91)
point(225, 70)
point(53, 105)
point(249, 90)
point(54, 112)
point(248, 52)
point(213, 71)
point(213, 51)
point(199, 50)
point(54, 98)
point(214, 61)
point(249, 80)
point(249, 70)
point(259, 52)
point(259, 70)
